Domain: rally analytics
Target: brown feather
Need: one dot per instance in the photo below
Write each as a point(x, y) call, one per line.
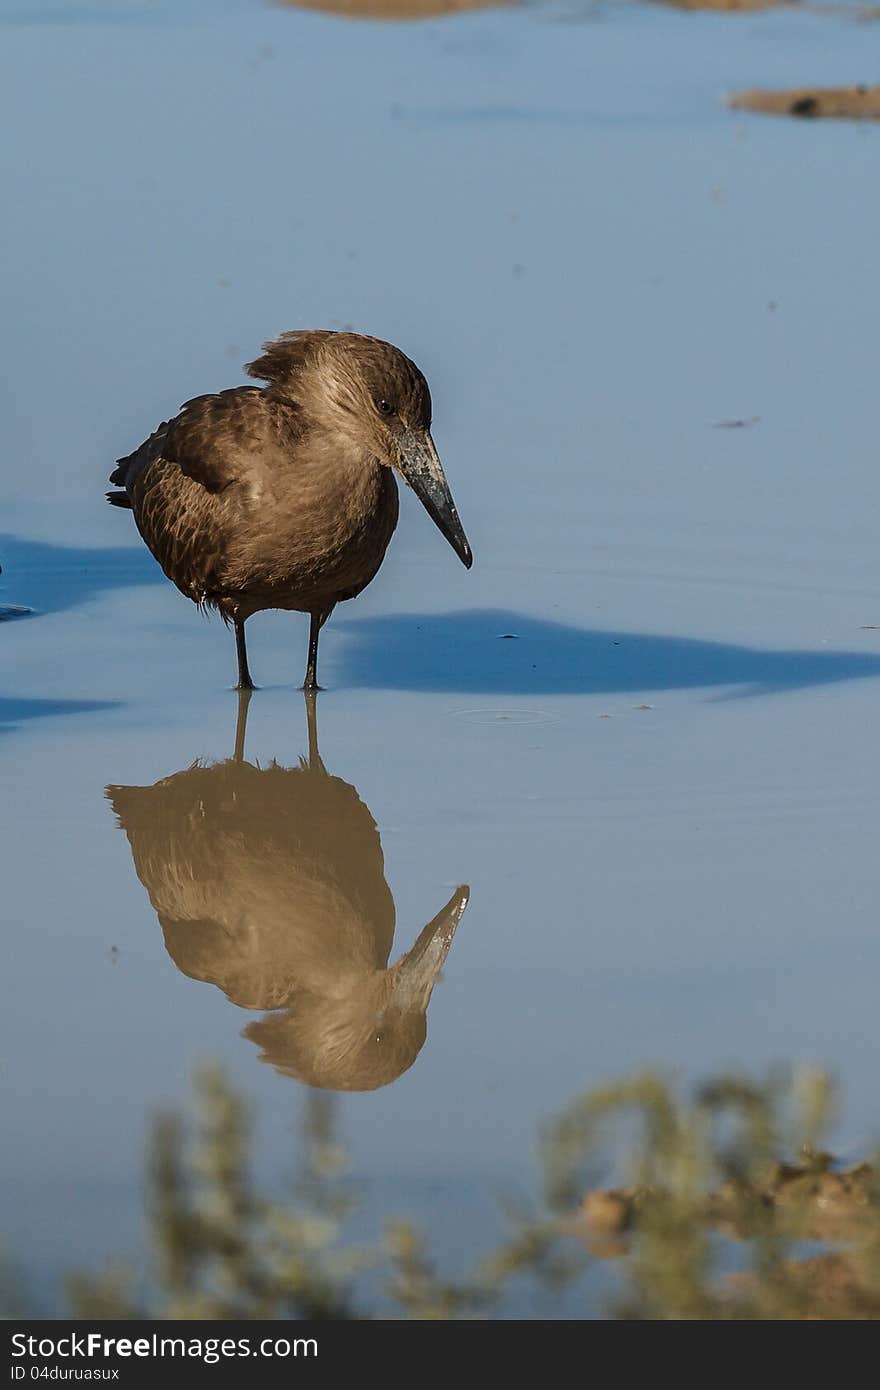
point(280, 496)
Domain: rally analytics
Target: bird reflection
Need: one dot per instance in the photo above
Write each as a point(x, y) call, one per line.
point(269, 883)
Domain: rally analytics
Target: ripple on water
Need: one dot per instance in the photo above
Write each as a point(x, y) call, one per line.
point(505, 716)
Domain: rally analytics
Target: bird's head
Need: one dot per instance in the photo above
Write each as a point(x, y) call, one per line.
point(370, 394)
point(365, 1036)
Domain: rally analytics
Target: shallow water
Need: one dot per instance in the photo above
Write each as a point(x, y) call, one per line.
point(641, 728)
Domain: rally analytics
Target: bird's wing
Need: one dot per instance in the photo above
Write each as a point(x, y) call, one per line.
point(175, 481)
point(208, 441)
point(214, 438)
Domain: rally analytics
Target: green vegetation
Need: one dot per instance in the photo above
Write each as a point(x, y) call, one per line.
point(736, 1166)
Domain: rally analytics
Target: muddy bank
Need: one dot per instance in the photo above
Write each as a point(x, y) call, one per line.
point(726, 6)
point(837, 103)
point(828, 1287)
point(394, 9)
point(810, 1199)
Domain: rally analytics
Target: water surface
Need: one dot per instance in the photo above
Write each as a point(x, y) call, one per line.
point(641, 728)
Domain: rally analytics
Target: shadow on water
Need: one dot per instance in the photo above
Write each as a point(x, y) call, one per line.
point(269, 882)
point(497, 652)
point(54, 578)
point(41, 578)
point(15, 711)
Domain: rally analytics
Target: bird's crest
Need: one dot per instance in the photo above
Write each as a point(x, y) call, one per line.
point(287, 355)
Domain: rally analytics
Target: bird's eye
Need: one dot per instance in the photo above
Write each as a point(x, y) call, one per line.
point(385, 407)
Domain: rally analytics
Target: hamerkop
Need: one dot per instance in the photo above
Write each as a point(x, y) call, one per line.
point(283, 496)
point(269, 882)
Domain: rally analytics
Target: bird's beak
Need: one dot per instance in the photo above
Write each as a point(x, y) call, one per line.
point(423, 471)
point(415, 974)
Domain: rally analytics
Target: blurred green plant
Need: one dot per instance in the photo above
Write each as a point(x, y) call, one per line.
point(733, 1162)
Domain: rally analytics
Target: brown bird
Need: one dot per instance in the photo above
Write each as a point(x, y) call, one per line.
point(284, 496)
point(269, 882)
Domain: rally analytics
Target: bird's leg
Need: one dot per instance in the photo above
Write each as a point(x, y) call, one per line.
point(244, 675)
point(244, 699)
point(315, 763)
point(317, 621)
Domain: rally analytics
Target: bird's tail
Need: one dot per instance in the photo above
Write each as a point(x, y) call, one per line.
point(118, 476)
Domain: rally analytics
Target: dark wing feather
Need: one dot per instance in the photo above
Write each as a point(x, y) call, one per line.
point(207, 441)
point(177, 480)
point(213, 436)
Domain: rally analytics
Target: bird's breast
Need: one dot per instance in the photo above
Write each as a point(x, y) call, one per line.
point(311, 536)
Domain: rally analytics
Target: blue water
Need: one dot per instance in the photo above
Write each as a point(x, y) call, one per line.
point(641, 729)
